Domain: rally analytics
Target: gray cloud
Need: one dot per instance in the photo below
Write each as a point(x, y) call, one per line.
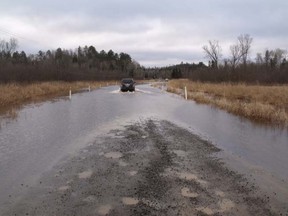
point(156, 32)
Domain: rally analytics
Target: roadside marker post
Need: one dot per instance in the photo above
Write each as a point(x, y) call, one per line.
point(89, 89)
point(70, 94)
point(185, 92)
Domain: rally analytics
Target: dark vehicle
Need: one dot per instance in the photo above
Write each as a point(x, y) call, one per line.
point(127, 84)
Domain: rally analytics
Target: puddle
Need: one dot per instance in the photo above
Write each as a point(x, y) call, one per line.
point(220, 193)
point(63, 188)
point(180, 153)
point(130, 201)
point(113, 155)
point(85, 174)
point(202, 182)
point(122, 163)
point(187, 176)
point(226, 205)
point(205, 210)
point(191, 177)
point(104, 209)
point(119, 137)
point(69, 181)
point(186, 193)
point(132, 173)
point(132, 133)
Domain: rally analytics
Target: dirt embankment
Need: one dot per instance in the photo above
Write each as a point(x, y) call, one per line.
point(148, 168)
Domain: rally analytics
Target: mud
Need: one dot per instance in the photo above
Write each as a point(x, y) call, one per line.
point(149, 168)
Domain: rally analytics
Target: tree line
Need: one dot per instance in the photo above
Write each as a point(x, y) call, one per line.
point(86, 63)
point(271, 66)
point(268, 67)
point(82, 63)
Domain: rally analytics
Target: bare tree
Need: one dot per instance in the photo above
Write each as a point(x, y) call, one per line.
point(279, 55)
point(213, 52)
point(275, 57)
point(235, 55)
point(8, 47)
point(267, 57)
point(259, 59)
point(245, 42)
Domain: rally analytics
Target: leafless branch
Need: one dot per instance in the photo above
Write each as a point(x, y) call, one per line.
point(213, 51)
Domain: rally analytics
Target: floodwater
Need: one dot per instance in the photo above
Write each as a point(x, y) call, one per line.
point(45, 134)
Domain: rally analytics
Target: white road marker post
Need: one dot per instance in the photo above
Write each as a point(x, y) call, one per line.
point(185, 92)
point(89, 89)
point(70, 94)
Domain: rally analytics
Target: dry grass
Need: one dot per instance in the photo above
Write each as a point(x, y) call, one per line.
point(16, 94)
point(257, 102)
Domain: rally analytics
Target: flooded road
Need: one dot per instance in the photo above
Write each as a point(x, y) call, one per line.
point(44, 135)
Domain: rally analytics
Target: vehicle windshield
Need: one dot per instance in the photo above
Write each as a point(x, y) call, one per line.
point(127, 81)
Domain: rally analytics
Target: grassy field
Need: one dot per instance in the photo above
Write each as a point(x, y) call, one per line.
point(16, 94)
point(267, 104)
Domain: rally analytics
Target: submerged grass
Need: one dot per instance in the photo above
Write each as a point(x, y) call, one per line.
point(15, 94)
point(260, 103)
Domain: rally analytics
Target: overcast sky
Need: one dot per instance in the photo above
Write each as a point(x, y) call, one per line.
point(154, 33)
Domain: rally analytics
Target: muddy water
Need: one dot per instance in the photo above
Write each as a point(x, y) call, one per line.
point(45, 134)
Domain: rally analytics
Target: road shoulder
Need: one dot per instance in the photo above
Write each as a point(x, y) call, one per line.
point(151, 167)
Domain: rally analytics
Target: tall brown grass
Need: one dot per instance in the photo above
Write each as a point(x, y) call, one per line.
point(14, 94)
point(257, 102)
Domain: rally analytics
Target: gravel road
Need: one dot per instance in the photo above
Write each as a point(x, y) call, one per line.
point(148, 167)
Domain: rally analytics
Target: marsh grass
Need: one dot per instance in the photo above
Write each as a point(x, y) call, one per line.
point(260, 103)
point(15, 94)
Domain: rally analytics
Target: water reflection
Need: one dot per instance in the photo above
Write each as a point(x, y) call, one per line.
point(261, 145)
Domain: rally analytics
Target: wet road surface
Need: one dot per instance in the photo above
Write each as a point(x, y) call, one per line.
point(54, 153)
